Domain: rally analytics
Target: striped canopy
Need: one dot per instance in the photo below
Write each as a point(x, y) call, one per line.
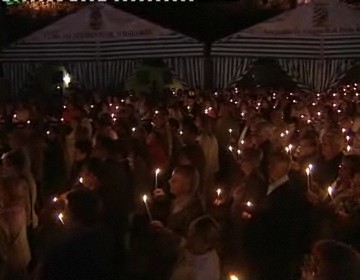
point(101, 32)
point(322, 30)
point(101, 35)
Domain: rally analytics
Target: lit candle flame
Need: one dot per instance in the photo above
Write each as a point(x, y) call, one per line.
point(242, 142)
point(55, 199)
point(282, 135)
point(249, 204)
point(81, 180)
point(48, 132)
point(347, 138)
point(28, 122)
point(233, 277)
point(61, 218)
point(330, 191)
point(133, 129)
point(307, 170)
point(231, 148)
point(62, 119)
point(218, 191)
point(343, 130)
point(181, 132)
point(238, 151)
point(157, 171)
point(144, 198)
point(14, 116)
point(348, 148)
point(319, 114)
point(287, 132)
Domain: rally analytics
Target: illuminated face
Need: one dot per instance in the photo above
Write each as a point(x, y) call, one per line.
point(90, 181)
point(178, 184)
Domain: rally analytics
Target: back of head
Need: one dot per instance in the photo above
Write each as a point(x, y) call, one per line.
point(337, 261)
point(83, 206)
point(206, 229)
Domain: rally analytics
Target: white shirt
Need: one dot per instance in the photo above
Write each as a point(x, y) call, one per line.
point(277, 184)
point(197, 267)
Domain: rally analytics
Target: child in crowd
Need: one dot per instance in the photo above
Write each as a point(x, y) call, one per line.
point(199, 259)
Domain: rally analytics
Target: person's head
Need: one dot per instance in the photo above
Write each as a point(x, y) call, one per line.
point(92, 174)
point(308, 146)
point(346, 122)
point(184, 180)
point(11, 192)
point(190, 131)
point(17, 138)
point(250, 160)
point(203, 235)
point(349, 166)
point(159, 119)
point(14, 163)
point(82, 150)
point(105, 147)
point(263, 132)
point(331, 144)
point(82, 207)
point(332, 260)
point(279, 166)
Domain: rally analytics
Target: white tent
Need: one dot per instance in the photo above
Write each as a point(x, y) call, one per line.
point(102, 45)
point(315, 44)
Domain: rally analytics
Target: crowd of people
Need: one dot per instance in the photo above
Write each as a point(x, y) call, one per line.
point(235, 184)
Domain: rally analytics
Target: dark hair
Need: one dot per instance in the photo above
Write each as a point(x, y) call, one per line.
point(95, 167)
point(189, 125)
point(339, 260)
point(17, 159)
point(84, 146)
point(84, 206)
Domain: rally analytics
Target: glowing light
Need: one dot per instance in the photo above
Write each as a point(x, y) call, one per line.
point(67, 79)
point(55, 199)
point(231, 148)
point(61, 218)
point(249, 204)
point(233, 277)
point(133, 129)
point(348, 148)
point(81, 180)
point(282, 135)
point(218, 192)
point(330, 191)
point(28, 122)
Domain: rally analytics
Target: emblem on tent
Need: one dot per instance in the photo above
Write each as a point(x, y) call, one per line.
point(95, 18)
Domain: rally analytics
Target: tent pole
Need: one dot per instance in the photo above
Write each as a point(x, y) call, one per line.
point(208, 68)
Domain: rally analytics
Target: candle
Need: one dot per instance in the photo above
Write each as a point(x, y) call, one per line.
point(330, 191)
point(14, 116)
point(91, 106)
point(347, 138)
point(282, 135)
point(133, 129)
point(62, 119)
point(218, 197)
point(28, 122)
point(144, 198)
point(230, 132)
point(249, 204)
point(238, 153)
point(231, 148)
point(55, 199)
point(81, 180)
point(157, 171)
point(48, 132)
point(343, 130)
point(181, 132)
point(233, 277)
point(61, 218)
point(308, 173)
point(348, 148)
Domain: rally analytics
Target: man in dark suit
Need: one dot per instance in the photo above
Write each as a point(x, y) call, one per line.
point(277, 230)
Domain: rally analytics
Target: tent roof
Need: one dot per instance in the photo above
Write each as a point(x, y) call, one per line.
point(322, 28)
point(100, 31)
